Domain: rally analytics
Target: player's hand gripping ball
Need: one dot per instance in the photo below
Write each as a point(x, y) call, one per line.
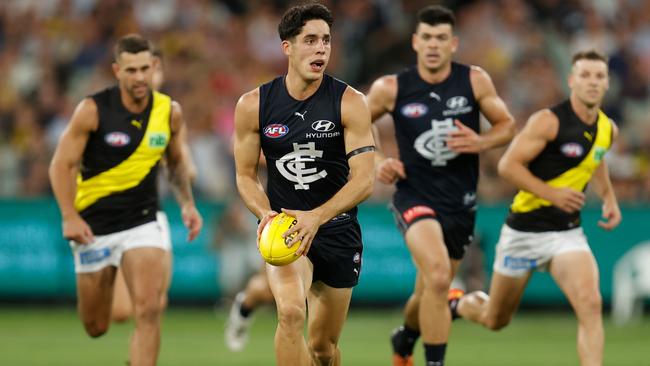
point(273, 247)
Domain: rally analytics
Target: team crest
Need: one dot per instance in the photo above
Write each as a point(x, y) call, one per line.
point(275, 130)
point(293, 166)
point(414, 110)
point(432, 144)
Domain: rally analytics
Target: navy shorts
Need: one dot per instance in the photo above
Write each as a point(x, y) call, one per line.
point(336, 255)
point(457, 228)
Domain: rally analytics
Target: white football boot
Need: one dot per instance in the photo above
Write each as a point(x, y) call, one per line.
point(236, 334)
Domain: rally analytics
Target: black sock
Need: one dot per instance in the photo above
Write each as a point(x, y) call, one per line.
point(244, 311)
point(453, 306)
point(435, 354)
point(404, 339)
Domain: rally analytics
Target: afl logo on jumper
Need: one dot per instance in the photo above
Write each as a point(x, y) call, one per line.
point(414, 110)
point(572, 150)
point(275, 130)
point(117, 139)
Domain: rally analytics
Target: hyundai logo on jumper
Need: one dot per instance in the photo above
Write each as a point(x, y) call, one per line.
point(324, 130)
point(457, 105)
point(275, 130)
point(323, 125)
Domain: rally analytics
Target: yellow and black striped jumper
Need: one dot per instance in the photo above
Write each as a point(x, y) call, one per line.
point(568, 161)
point(117, 185)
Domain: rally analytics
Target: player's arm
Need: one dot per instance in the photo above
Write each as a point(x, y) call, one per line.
point(382, 96)
point(381, 100)
point(466, 140)
point(65, 166)
point(602, 185)
point(247, 147)
point(541, 128)
point(359, 147)
point(180, 167)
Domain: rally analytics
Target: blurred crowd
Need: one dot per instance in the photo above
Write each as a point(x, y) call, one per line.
point(55, 52)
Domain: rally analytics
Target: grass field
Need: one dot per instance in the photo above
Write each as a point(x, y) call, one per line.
point(42, 336)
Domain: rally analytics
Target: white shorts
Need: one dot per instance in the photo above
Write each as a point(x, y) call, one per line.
point(519, 252)
point(107, 250)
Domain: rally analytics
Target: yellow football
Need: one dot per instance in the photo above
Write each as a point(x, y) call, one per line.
point(273, 247)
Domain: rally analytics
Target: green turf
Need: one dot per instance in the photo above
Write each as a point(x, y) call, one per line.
point(40, 336)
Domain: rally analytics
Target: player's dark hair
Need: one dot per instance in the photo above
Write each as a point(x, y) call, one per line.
point(591, 54)
point(296, 17)
point(132, 43)
point(435, 15)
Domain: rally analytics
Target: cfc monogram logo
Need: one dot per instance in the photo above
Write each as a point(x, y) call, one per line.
point(292, 165)
point(432, 144)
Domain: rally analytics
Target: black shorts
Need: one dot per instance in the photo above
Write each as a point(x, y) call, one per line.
point(336, 255)
point(457, 228)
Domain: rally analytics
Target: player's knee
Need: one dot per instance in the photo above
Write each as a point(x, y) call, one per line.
point(323, 359)
point(148, 309)
point(323, 351)
point(589, 304)
point(497, 322)
point(291, 316)
point(163, 302)
point(438, 282)
point(96, 328)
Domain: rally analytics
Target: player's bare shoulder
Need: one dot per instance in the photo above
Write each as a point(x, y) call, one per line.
point(386, 85)
point(177, 110)
point(382, 94)
point(544, 124)
point(177, 116)
point(354, 107)
point(352, 95)
point(478, 72)
point(481, 81)
point(247, 109)
point(85, 116)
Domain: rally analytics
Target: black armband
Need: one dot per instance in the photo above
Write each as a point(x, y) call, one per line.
point(360, 150)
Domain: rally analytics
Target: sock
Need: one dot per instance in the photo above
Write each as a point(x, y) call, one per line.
point(244, 311)
point(404, 340)
point(435, 354)
point(453, 306)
